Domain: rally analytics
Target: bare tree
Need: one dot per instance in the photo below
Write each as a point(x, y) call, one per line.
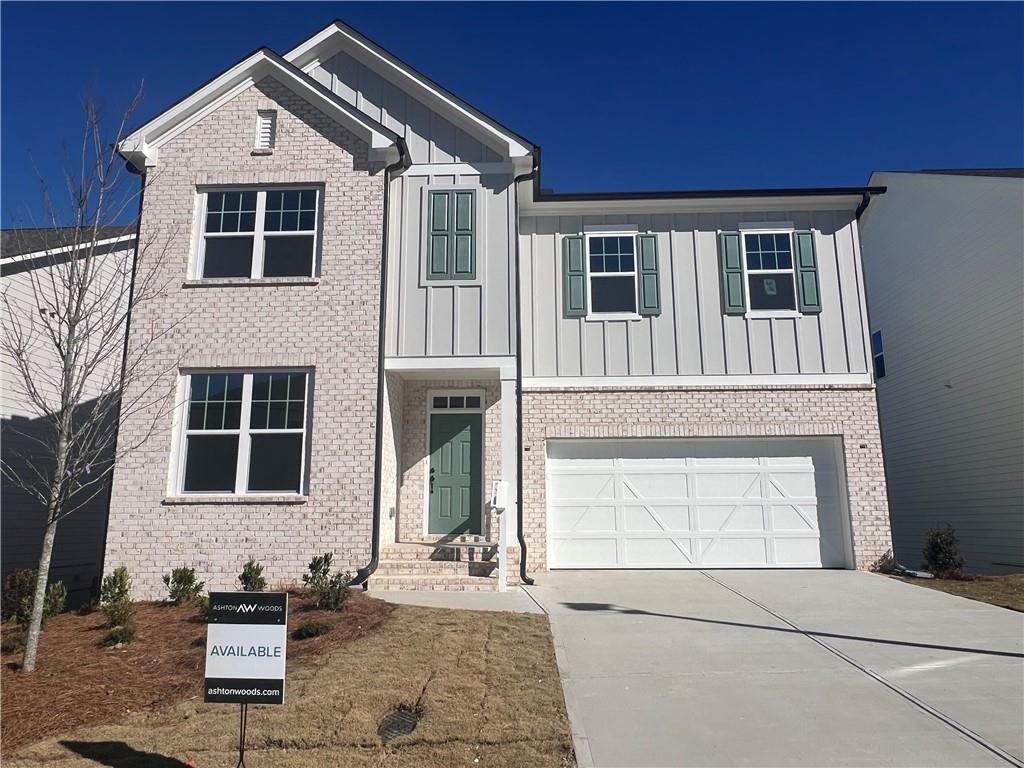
point(73, 366)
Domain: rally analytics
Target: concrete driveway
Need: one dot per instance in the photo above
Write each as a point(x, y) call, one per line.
point(783, 668)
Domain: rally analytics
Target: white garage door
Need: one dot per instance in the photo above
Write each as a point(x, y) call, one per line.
point(709, 503)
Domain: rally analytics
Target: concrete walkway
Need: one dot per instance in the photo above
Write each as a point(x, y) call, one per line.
point(783, 668)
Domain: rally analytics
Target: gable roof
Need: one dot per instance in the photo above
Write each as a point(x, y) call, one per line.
point(141, 147)
point(338, 36)
point(42, 240)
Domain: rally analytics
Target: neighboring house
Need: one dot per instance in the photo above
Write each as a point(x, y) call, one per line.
point(26, 256)
point(944, 256)
point(387, 315)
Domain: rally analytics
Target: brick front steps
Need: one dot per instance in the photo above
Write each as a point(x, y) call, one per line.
point(467, 564)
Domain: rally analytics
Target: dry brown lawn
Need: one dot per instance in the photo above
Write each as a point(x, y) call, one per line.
point(1004, 591)
point(487, 684)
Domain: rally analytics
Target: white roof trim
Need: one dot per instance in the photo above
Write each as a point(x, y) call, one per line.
point(141, 147)
point(323, 45)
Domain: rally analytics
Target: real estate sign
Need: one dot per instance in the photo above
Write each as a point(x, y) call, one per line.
point(246, 640)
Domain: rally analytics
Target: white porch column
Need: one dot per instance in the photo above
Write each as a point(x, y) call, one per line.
point(507, 529)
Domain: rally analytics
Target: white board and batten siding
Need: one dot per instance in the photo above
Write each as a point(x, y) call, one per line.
point(692, 335)
point(699, 503)
point(944, 261)
point(437, 318)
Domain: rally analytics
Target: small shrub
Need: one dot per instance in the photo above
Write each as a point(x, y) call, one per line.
point(182, 585)
point(19, 590)
point(115, 597)
point(326, 590)
point(12, 641)
point(202, 604)
point(310, 628)
point(251, 577)
point(942, 552)
point(119, 635)
point(19, 586)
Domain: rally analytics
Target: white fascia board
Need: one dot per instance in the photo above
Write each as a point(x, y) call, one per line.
point(141, 147)
point(68, 248)
point(326, 43)
point(699, 381)
point(530, 207)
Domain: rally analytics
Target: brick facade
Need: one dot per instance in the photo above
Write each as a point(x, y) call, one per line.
point(846, 412)
point(329, 325)
point(415, 459)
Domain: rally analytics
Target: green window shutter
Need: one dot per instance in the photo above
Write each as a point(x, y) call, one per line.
point(463, 235)
point(452, 235)
point(439, 210)
point(734, 294)
point(808, 285)
point(574, 298)
point(647, 273)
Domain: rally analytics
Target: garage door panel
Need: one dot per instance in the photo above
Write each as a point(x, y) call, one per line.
point(660, 553)
point(724, 551)
point(737, 502)
point(582, 519)
point(710, 485)
point(730, 517)
point(656, 518)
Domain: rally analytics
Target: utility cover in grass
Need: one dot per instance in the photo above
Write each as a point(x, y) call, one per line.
point(399, 722)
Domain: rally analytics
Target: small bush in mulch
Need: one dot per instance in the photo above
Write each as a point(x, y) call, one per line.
point(326, 590)
point(79, 683)
point(19, 593)
point(118, 636)
point(115, 597)
point(12, 641)
point(310, 628)
point(182, 585)
point(251, 577)
point(942, 553)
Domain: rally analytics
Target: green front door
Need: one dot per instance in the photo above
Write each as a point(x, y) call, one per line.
point(455, 483)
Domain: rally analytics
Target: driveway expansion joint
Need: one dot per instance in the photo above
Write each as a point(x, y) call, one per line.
point(938, 714)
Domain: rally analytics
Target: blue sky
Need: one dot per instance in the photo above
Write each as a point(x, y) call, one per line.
point(619, 96)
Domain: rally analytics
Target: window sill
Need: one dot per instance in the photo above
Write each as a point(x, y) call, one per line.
point(233, 498)
point(600, 316)
point(755, 314)
point(260, 152)
point(222, 282)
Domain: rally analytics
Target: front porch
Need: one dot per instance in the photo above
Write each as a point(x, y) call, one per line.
point(448, 440)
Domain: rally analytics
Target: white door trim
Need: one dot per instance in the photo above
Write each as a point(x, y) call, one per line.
point(431, 410)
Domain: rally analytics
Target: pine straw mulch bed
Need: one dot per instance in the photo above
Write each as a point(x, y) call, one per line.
point(78, 682)
point(1004, 591)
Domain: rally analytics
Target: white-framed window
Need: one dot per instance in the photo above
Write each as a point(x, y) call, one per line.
point(269, 232)
point(244, 432)
point(611, 274)
point(768, 268)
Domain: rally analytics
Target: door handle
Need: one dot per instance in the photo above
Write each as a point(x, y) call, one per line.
point(431, 480)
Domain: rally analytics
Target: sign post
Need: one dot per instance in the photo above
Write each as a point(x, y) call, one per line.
point(246, 640)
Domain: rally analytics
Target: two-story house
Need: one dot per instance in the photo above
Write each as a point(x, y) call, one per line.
point(399, 349)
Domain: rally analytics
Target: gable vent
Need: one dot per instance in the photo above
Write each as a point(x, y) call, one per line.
point(266, 129)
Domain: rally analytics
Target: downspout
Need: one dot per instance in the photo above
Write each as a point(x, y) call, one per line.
point(124, 363)
point(519, 377)
point(363, 574)
point(865, 201)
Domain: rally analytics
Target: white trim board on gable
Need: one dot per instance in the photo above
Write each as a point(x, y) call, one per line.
point(141, 147)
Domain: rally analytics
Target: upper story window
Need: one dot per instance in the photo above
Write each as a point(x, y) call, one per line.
point(612, 273)
point(259, 233)
point(244, 432)
point(878, 355)
point(451, 235)
point(768, 257)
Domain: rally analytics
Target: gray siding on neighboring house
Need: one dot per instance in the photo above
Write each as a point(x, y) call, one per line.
point(944, 257)
point(430, 137)
point(692, 336)
point(450, 318)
